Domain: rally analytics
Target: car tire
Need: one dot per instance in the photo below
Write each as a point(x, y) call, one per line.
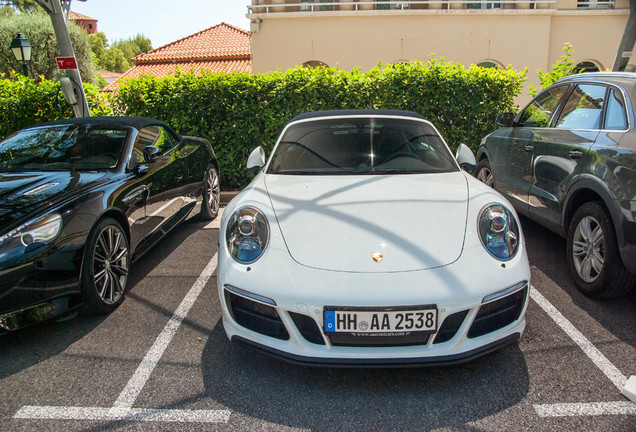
point(484, 173)
point(211, 194)
point(592, 253)
point(105, 268)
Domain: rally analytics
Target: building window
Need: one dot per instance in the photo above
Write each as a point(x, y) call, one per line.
point(314, 64)
point(309, 7)
point(392, 5)
point(489, 64)
point(587, 66)
point(595, 4)
point(483, 5)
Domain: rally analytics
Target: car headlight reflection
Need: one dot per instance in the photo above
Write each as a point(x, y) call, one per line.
point(499, 231)
point(247, 235)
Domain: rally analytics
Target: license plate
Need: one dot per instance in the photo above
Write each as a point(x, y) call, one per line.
point(380, 321)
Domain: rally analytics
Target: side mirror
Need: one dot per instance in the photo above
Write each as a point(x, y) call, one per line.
point(151, 153)
point(505, 119)
point(256, 161)
point(466, 158)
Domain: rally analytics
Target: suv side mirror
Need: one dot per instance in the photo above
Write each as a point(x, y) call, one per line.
point(505, 119)
point(256, 161)
point(466, 158)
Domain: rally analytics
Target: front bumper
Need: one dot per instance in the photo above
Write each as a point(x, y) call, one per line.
point(40, 286)
point(277, 306)
point(447, 360)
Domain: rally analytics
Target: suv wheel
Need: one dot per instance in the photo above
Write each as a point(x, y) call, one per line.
point(484, 173)
point(593, 257)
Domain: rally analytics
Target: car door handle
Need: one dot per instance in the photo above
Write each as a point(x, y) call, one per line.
point(575, 154)
point(529, 147)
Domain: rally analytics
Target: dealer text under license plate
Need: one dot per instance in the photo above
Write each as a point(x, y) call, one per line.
point(380, 321)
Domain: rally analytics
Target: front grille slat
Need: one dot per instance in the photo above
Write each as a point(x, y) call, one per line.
point(307, 328)
point(450, 327)
point(498, 314)
point(256, 316)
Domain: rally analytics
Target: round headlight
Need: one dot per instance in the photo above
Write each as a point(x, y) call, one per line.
point(247, 234)
point(499, 231)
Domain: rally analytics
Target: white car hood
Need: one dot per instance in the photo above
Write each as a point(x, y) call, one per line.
point(337, 223)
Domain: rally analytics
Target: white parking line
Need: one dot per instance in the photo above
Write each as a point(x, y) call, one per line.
point(133, 388)
point(122, 409)
point(610, 371)
point(122, 414)
point(586, 409)
point(216, 223)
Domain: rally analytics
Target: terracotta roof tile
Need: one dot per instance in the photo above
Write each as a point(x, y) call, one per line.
point(222, 41)
point(165, 69)
point(77, 16)
point(219, 49)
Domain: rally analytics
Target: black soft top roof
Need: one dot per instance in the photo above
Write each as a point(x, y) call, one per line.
point(135, 122)
point(357, 112)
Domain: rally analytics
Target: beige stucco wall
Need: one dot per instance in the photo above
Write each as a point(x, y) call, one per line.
point(530, 39)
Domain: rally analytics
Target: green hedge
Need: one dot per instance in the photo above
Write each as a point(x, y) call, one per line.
point(23, 102)
point(238, 112)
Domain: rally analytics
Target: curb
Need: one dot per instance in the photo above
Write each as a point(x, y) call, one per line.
point(226, 196)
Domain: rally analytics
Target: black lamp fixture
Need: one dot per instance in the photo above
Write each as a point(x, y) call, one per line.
point(21, 48)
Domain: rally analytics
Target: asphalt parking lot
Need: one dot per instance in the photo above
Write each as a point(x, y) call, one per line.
point(162, 362)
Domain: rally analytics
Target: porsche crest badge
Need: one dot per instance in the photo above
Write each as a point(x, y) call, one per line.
point(377, 256)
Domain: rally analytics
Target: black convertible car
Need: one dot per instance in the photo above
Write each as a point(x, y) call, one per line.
point(81, 199)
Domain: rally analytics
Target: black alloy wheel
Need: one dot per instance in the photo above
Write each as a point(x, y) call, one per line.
point(593, 258)
point(105, 267)
point(484, 173)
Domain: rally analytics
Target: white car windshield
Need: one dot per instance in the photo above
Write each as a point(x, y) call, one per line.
point(361, 146)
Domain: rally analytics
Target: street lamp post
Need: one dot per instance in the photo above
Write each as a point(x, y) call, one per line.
point(21, 48)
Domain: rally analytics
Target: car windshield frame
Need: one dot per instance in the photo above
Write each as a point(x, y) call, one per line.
point(361, 145)
point(64, 147)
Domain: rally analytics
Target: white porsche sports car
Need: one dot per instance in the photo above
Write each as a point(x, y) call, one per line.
point(363, 242)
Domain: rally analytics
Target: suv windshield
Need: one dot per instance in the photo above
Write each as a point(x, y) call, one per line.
point(63, 147)
point(361, 146)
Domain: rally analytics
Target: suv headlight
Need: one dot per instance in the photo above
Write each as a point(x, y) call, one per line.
point(499, 231)
point(247, 234)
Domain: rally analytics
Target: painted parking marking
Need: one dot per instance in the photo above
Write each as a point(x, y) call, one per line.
point(585, 409)
point(135, 385)
point(216, 223)
point(597, 357)
point(122, 414)
point(122, 409)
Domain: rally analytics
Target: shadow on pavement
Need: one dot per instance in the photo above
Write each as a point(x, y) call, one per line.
point(261, 387)
point(29, 346)
point(547, 252)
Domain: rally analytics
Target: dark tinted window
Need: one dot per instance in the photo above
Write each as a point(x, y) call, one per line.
point(540, 111)
point(153, 136)
point(361, 146)
point(156, 136)
point(63, 147)
point(615, 114)
point(583, 108)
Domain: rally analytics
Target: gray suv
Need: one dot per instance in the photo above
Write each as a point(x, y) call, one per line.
point(568, 161)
